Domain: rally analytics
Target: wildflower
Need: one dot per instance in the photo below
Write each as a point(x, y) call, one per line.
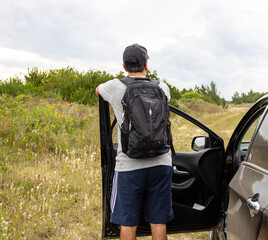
point(1, 129)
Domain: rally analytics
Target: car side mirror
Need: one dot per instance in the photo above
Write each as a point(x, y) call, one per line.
point(200, 143)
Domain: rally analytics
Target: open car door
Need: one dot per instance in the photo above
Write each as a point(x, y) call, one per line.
point(247, 150)
point(198, 179)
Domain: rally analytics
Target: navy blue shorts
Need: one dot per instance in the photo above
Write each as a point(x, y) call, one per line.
point(147, 190)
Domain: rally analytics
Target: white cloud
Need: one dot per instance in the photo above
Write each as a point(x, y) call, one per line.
point(17, 62)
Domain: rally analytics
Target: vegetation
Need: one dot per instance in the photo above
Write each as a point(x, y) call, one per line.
point(66, 83)
point(211, 94)
point(201, 94)
point(50, 175)
point(73, 86)
point(250, 97)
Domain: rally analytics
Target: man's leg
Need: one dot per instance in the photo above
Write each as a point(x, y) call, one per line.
point(128, 233)
point(158, 203)
point(159, 231)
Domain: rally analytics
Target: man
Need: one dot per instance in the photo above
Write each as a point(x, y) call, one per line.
point(139, 184)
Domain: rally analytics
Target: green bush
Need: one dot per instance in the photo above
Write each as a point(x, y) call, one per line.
point(73, 86)
point(65, 83)
point(35, 77)
point(195, 96)
point(27, 123)
point(12, 87)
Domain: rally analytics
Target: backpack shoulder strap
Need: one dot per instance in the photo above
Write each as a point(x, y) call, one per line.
point(129, 80)
point(155, 81)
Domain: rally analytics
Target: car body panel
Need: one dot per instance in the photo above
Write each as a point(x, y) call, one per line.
point(263, 233)
point(251, 178)
point(247, 182)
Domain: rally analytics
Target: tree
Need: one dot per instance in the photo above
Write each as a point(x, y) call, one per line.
point(152, 74)
point(249, 97)
point(211, 92)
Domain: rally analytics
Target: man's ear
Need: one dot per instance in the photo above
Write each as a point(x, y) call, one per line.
point(125, 68)
point(146, 67)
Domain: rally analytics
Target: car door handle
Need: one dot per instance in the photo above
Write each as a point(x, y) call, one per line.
point(179, 172)
point(253, 205)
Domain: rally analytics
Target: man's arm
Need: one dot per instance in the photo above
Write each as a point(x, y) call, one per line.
point(165, 88)
point(97, 90)
point(106, 90)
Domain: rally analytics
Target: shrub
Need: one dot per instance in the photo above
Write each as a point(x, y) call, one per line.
point(195, 96)
point(27, 123)
point(35, 77)
point(12, 87)
point(65, 83)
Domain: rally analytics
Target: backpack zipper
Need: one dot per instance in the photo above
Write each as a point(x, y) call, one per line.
point(151, 122)
point(129, 126)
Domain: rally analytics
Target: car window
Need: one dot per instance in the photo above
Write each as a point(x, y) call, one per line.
point(245, 141)
point(259, 151)
point(183, 132)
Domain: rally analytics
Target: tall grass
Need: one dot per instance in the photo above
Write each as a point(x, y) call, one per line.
point(50, 175)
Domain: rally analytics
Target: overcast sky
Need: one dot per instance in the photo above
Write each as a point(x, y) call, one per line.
point(190, 42)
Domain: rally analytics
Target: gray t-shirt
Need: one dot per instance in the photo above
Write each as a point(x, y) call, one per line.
point(112, 92)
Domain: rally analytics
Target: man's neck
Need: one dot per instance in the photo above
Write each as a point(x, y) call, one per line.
point(137, 74)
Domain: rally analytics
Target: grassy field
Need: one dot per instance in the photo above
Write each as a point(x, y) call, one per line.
point(50, 176)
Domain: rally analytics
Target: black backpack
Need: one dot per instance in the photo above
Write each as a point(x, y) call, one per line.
point(145, 131)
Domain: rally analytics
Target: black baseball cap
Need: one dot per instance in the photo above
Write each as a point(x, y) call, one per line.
point(136, 53)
